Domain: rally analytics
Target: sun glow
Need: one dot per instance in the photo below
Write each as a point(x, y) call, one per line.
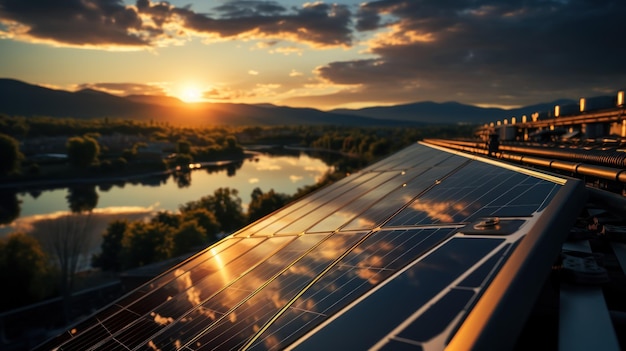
point(191, 94)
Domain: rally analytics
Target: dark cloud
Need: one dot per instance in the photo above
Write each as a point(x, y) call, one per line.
point(88, 22)
point(508, 52)
point(111, 23)
point(317, 23)
point(248, 8)
point(367, 18)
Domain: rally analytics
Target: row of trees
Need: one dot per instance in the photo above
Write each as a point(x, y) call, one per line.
point(197, 224)
point(213, 143)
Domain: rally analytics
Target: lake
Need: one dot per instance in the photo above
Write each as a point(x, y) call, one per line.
point(46, 210)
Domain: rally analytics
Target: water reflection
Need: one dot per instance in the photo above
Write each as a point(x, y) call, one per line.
point(9, 206)
point(89, 225)
point(82, 198)
point(182, 178)
point(162, 190)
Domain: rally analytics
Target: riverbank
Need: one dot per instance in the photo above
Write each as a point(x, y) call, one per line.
point(86, 177)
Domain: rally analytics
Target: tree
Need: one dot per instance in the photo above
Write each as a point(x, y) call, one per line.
point(225, 204)
point(11, 155)
point(262, 204)
point(206, 220)
point(24, 266)
point(109, 258)
point(188, 237)
point(9, 206)
point(67, 240)
point(168, 218)
point(183, 147)
point(82, 151)
point(145, 243)
point(82, 198)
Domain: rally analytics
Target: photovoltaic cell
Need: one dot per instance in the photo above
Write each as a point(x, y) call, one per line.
point(389, 258)
point(361, 326)
point(477, 190)
point(302, 207)
point(371, 262)
point(257, 311)
point(322, 210)
point(418, 181)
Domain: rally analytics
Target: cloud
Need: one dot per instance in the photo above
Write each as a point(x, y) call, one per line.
point(477, 52)
point(469, 51)
point(113, 25)
point(231, 94)
point(316, 24)
point(77, 23)
point(295, 178)
point(124, 89)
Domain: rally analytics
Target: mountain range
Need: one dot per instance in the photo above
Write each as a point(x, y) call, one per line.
point(18, 98)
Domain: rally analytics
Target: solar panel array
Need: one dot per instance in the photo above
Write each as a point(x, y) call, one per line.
point(395, 256)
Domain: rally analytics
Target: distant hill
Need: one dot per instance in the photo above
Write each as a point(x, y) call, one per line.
point(22, 99)
point(449, 112)
point(430, 112)
point(18, 98)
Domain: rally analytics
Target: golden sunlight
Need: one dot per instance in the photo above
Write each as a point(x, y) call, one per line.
point(190, 94)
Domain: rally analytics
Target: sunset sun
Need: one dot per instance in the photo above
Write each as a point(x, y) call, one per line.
point(191, 94)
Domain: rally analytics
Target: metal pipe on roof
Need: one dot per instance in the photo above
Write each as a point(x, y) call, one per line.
point(601, 157)
point(521, 155)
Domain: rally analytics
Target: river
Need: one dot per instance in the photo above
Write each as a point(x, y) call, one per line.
point(42, 211)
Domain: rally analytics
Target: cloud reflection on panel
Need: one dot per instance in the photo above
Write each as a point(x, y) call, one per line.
point(378, 257)
point(239, 302)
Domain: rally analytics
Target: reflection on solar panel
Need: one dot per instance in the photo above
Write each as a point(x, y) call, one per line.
point(426, 249)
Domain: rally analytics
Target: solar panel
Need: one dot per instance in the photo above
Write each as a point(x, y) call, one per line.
point(427, 249)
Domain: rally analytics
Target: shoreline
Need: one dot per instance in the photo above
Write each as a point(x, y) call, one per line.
point(48, 184)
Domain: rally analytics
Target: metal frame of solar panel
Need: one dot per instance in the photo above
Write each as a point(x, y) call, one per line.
point(428, 248)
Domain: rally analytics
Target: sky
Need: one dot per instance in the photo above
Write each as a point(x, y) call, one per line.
point(325, 55)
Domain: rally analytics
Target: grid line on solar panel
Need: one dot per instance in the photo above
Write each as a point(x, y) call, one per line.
point(264, 304)
point(184, 319)
point(320, 210)
point(434, 324)
point(394, 159)
point(339, 216)
point(373, 260)
point(477, 190)
point(189, 264)
point(237, 293)
point(119, 321)
point(192, 325)
point(392, 302)
point(273, 223)
point(270, 225)
point(411, 156)
point(132, 297)
point(346, 182)
point(527, 171)
point(420, 180)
